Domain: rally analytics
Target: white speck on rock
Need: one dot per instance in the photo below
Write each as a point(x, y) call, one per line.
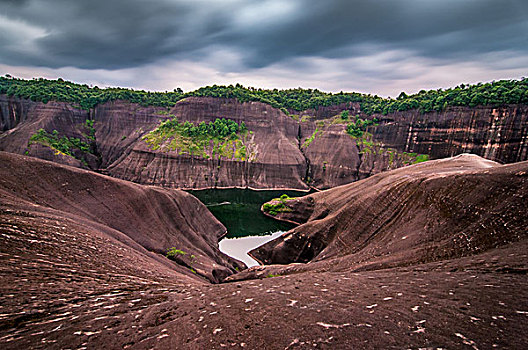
point(329, 325)
point(467, 341)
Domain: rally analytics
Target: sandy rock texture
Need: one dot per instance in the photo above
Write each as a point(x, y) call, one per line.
point(438, 271)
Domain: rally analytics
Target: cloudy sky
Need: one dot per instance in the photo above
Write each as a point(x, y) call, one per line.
point(373, 46)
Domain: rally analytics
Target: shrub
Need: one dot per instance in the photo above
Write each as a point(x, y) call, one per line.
point(277, 205)
point(421, 158)
point(65, 145)
point(225, 135)
point(173, 252)
point(491, 94)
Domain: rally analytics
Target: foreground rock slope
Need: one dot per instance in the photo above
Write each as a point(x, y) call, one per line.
point(72, 280)
point(146, 219)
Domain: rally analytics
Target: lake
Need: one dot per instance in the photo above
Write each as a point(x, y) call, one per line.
point(239, 211)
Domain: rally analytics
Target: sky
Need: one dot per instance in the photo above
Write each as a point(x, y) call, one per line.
point(372, 46)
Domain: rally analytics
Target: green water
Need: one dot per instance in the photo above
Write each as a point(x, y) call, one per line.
point(239, 210)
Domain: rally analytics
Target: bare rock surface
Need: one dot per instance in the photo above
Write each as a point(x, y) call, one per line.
point(434, 210)
point(148, 219)
point(69, 279)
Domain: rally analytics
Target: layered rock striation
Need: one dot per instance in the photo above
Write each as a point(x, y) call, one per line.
point(410, 260)
point(298, 151)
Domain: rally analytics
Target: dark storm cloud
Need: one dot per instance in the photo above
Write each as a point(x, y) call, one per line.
point(117, 34)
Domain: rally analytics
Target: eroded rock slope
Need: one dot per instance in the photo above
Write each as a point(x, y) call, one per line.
point(431, 211)
point(147, 219)
point(75, 275)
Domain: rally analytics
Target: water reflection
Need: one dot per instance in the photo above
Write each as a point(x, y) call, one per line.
point(239, 247)
point(239, 210)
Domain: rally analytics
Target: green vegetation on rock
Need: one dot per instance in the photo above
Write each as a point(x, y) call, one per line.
point(310, 139)
point(173, 252)
point(421, 158)
point(358, 127)
point(183, 258)
point(368, 146)
point(89, 125)
point(277, 205)
point(496, 93)
point(221, 138)
point(62, 144)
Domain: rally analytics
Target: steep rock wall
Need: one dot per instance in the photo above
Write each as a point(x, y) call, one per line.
point(19, 119)
point(277, 161)
point(499, 134)
point(310, 148)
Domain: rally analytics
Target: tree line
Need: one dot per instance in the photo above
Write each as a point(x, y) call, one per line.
point(496, 93)
point(221, 127)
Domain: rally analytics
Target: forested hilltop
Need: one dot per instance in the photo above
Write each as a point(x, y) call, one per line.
point(496, 93)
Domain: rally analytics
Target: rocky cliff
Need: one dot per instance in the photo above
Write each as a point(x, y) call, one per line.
point(499, 134)
point(300, 150)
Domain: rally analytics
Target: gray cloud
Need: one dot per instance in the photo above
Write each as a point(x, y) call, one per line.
point(341, 40)
point(127, 33)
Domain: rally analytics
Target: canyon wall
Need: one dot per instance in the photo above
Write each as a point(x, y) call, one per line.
point(499, 134)
point(301, 150)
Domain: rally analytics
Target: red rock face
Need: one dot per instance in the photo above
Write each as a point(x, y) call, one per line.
point(19, 119)
point(278, 163)
point(499, 134)
point(282, 156)
point(146, 219)
point(426, 212)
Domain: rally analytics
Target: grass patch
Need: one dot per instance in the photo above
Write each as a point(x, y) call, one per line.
point(421, 158)
point(182, 257)
point(223, 138)
point(413, 158)
point(309, 140)
point(60, 144)
point(173, 252)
